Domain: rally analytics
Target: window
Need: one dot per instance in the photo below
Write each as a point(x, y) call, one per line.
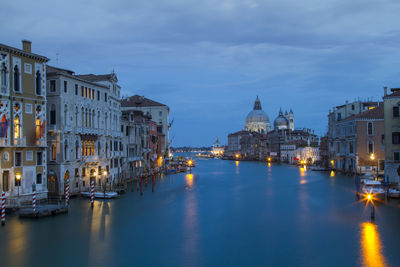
point(53, 114)
point(38, 83)
point(98, 95)
point(76, 89)
point(53, 152)
point(105, 97)
point(28, 68)
point(396, 111)
point(39, 178)
point(17, 127)
point(65, 86)
point(29, 156)
point(28, 108)
point(52, 86)
point(396, 156)
point(352, 107)
point(39, 158)
point(370, 128)
point(6, 181)
point(339, 116)
point(66, 154)
point(76, 149)
point(82, 91)
point(83, 171)
point(370, 147)
point(17, 86)
point(160, 113)
point(396, 138)
point(18, 159)
point(3, 77)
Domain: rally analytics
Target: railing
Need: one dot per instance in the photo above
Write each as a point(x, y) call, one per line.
point(94, 158)
point(41, 142)
point(20, 141)
point(4, 141)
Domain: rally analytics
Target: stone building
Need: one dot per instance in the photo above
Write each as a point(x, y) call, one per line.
point(23, 123)
point(356, 145)
point(392, 134)
point(159, 114)
point(84, 134)
point(257, 120)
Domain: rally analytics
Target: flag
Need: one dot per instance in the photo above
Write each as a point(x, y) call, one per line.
point(4, 128)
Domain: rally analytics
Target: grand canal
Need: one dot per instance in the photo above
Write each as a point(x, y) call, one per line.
point(225, 213)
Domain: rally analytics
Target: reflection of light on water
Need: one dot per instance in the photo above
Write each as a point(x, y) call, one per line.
point(189, 179)
point(371, 247)
point(303, 171)
point(18, 244)
point(237, 163)
point(302, 181)
point(269, 164)
point(332, 174)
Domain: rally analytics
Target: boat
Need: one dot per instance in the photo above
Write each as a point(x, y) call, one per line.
point(370, 182)
point(106, 195)
point(316, 168)
point(394, 193)
point(377, 192)
point(367, 175)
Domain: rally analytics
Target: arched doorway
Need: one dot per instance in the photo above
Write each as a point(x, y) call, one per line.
point(52, 184)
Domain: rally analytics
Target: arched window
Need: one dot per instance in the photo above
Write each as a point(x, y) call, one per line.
point(98, 120)
point(105, 121)
point(3, 77)
point(38, 83)
point(38, 128)
point(4, 127)
point(76, 116)
point(98, 148)
point(370, 128)
point(66, 154)
point(370, 147)
point(17, 87)
point(53, 152)
point(86, 118)
point(17, 127)
point(39, 178)
point(83, 117)
point(76, 149)
point(53, 114)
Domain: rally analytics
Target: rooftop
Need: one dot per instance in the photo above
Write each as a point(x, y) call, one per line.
point(139, 101)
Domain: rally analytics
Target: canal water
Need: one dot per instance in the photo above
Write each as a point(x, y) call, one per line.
point(224, 213)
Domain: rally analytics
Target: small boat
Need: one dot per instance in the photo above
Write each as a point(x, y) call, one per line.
point(321, 169)
point(106, 195)
point(367, 175)
point(377, 192)
point(394, 193)
point(369, 182)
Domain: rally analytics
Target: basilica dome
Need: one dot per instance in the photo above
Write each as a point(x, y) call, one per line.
point(257, 120)
point(281, 122)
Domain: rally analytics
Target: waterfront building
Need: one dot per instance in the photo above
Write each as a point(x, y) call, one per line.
point(84, 135)
point(257, 120)
point(392, 134)
point(284, 121)
point(23, 123)
point(234, 143)
point(217, 149)
point(159, 114)
point(135, 125)
point(356, 144)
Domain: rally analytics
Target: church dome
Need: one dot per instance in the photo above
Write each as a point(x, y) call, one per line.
point(257, 120)
point(281, 122)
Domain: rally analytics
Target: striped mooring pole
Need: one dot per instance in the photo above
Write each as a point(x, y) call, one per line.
point(3, 208)
point(92, 193)
point(67, 192)
point(34, 199)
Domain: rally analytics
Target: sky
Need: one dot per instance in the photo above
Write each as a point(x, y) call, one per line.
point(208, 60)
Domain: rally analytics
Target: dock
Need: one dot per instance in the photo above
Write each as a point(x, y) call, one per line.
point(43, 211)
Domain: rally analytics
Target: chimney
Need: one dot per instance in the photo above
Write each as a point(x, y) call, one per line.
point(385, 90)
point(26, 46)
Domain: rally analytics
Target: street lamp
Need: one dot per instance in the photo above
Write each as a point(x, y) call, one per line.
point(18, 178)
point(372, 157)
point(237, 156)
point(370, 198)
point(190, 165)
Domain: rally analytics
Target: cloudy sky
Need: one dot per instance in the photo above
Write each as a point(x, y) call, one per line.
point(209, 59)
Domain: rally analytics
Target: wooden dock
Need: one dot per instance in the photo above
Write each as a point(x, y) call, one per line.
point(43, 211)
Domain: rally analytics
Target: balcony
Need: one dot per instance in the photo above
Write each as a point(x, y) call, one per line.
point(20, 141)
point(4, 141)
point(87, 159)
point(41, 142)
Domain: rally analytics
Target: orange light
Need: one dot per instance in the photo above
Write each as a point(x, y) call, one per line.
point(369, 196)
point(237, 156)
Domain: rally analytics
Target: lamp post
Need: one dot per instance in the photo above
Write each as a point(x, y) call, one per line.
point(190, 165)
point(372, 157)
point(370, 199)
point(105, 181)
point(18, 178)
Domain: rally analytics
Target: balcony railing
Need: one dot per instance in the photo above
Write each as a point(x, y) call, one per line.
point(4, 141)
point(41, 142)
point(20, 141)
point(94, 158)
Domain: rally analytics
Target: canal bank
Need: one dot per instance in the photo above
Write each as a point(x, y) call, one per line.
point(225, 213)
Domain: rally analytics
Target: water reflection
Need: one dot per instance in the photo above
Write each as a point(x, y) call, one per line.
point(371, 246)
point(237, 163)
point(18, 243)
point(332, 174)
point(189, 180)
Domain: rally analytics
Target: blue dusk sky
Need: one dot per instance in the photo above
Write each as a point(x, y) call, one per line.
point(207, 60)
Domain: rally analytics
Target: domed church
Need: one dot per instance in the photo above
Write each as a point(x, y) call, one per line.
point(283, 122)
point(257, 120)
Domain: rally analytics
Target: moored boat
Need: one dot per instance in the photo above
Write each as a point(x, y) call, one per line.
point(377, 192)
point(394, 193)
point(106, 195)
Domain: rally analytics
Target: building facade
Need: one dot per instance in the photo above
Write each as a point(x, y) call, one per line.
point(84, 139)
point(23, 123)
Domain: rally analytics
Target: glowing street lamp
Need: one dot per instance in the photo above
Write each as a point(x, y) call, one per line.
point(190, 162)
point(369, 198)
point(18, 178)
point(237, 156)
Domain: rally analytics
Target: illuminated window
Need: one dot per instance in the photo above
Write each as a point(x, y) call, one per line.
point(38, 128)
point(53, 152)
point(17, 127)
